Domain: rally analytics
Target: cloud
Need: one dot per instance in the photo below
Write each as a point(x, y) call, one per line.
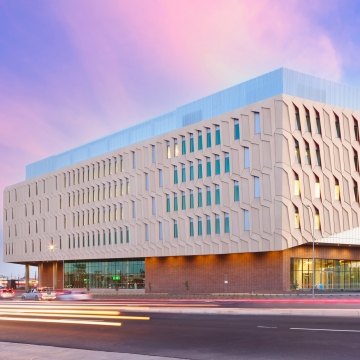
point(75, 71)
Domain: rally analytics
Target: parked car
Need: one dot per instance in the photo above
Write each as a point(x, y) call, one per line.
point(73, 295)
point(7, 293)
point(39, 294)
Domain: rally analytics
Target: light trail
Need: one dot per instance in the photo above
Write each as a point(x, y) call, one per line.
point(81, 316)
point(69, 314)
point(65, 311)
point(80, 322)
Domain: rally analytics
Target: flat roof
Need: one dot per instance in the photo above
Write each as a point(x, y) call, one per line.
point(280, 81)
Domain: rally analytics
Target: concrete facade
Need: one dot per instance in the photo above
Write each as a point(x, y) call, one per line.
point(224, 197)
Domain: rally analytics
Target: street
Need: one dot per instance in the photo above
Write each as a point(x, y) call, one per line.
point(195, 336)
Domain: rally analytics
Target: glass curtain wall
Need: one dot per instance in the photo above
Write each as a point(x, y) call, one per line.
point(124, 274)
point(329, 274)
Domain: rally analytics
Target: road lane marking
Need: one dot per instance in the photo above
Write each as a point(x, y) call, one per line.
point(266, 327)
point(329, 330)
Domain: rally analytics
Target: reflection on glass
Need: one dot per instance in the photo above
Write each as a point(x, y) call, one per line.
point(124, 274)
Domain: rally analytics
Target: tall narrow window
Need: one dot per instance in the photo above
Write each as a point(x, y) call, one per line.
point(200, 172)
point(208, 225)
point(307, 153)
point(176, 202)
point(183, 173)
point(236, 129)
point(127, 234)
point(191, 226)
point(146, 232)
point(356, 160)
point(208, 137)
point(133, 157)
point(227, 162)
point(153, 205)
point(192, 147)
point(208, 167)
point(183, 145)
point(160, 230)
point(236, 190)
point(168, 150)
point(296, 218)
point(317, 191)
point(176, 176)
point(147, 182)
point(191, 199)
point(217, 135)
point(226, 223)
point(318, 122)
point(217, 194)
point(337, 189)
point(133, 207)
point(257, 123)
point(317, 220)
point(356, 191)
point(308, 120)
point(246, 220)
point(199, 196)
point(296, 185)
point(256, 187)
point(246, 157)
point(297, 152)
point(217, 224)
point(356, 129)
point(208, 195)
point(121, 235)
point(176, 232)
point(337, 126)
point(176, 147)
point(297, 118)
point(200, 140)
point(153, 154)
point(318, 156)
point(217, 164)
point(121, 163)
point(160, 178)
point(183, 200)
point(167, 203)
point(191, 171)
point(199, 225)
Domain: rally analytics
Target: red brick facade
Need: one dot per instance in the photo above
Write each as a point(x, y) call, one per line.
point(249, 272)
point(263, 272)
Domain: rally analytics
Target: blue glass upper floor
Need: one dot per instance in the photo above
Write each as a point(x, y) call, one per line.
point(280, 81)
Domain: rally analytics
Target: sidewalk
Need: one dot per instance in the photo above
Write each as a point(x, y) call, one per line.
point(16, 351)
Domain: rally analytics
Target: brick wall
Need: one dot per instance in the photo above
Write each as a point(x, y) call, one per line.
point(249, 272)
point(46, 275)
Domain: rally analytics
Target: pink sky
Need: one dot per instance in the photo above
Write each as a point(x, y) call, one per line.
point(75, 70)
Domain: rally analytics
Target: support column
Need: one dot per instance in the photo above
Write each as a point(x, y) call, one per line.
point(40, 274)
point(27, 276)
point(54, 275)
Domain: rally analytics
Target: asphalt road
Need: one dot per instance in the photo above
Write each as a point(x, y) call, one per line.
point(191, 336)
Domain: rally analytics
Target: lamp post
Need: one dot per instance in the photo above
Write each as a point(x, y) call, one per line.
point(313, 249)
point(52, 249)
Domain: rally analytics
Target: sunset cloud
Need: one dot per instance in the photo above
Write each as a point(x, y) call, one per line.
point(73, 71)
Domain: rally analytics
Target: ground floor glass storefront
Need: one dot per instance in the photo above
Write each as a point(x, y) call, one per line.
point(122, 274)
point(329, 274)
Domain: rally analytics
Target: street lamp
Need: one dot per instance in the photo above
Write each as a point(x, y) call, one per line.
point(313, 250)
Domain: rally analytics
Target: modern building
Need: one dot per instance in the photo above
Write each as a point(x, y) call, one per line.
point(252, 189)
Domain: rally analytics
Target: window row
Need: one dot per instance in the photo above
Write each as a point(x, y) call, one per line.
point(317, 188)
point(115, 236)
point(308, 122)
point(186, 200)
